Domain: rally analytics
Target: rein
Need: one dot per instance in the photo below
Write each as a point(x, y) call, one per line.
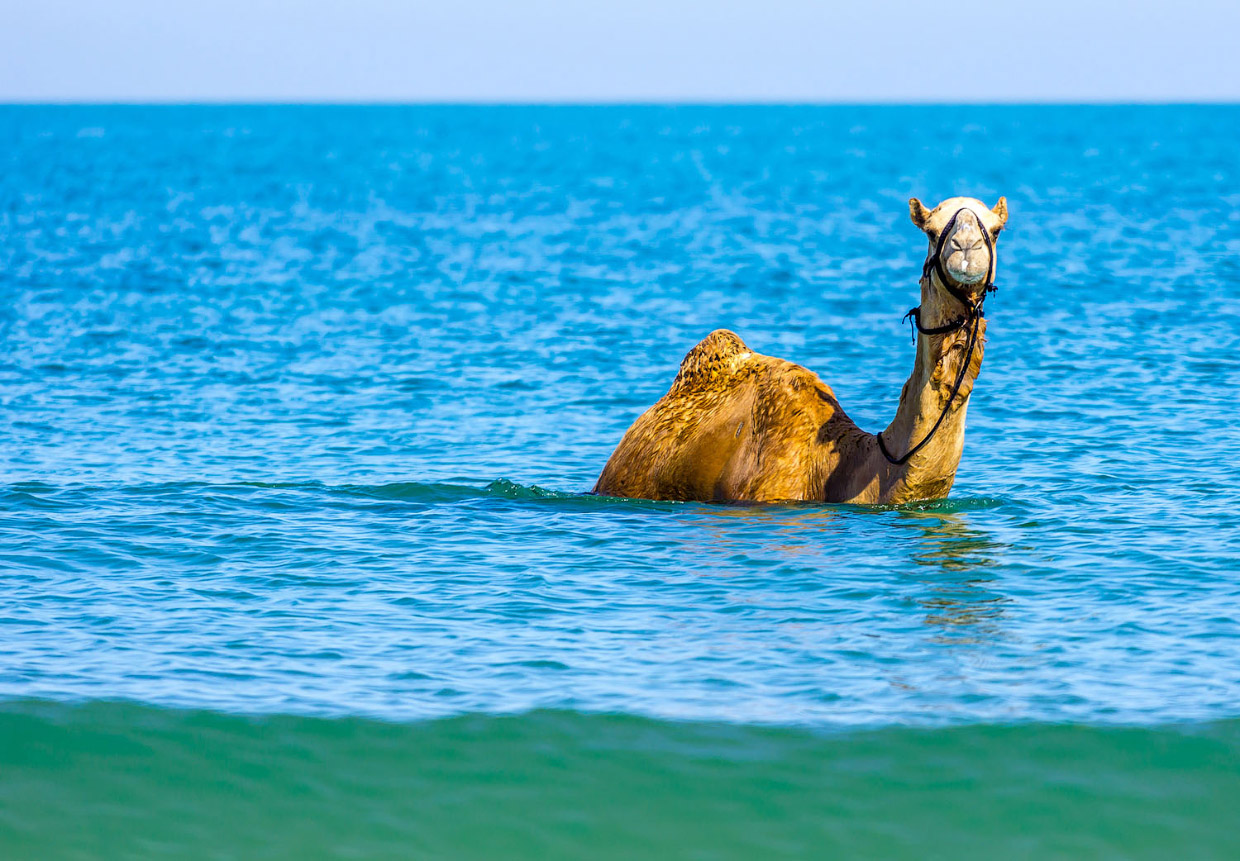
point(972, 320)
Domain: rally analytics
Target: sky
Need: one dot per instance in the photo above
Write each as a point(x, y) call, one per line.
point(607, 51)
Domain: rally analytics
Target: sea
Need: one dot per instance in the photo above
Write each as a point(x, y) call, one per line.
point(300, 412)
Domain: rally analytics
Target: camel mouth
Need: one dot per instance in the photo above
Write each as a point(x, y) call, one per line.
point(967, 269)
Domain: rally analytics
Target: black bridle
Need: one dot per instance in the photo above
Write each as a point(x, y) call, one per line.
point(972, 320)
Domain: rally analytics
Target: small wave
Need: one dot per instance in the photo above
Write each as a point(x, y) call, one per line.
point(441, 492)
point(502, 488)
point(41, 495)
point(949, 505)
point(34, 493)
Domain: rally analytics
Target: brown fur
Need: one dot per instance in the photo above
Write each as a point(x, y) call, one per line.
point(737, 425)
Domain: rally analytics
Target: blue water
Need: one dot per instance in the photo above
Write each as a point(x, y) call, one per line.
point(299, 406)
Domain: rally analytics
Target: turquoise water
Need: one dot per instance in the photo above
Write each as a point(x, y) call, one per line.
point(300, 406)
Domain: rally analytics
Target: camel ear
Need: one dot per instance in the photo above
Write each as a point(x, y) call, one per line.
point(1000, 209)
point(918, 212)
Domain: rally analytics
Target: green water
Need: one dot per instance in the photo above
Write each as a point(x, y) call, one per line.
point(120, 780)
point(111, 780)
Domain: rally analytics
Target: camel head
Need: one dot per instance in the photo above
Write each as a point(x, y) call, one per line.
point(962, 233)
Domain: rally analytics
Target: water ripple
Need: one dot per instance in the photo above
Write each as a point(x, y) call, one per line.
point(301, 410)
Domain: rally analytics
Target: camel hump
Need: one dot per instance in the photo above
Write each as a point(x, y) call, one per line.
point(719, 354)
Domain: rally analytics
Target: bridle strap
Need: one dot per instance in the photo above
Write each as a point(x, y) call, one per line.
point(972, 318)
point(976, 320)
point(914, 318)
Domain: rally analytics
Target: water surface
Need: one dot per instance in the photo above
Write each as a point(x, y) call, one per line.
point(299, 406)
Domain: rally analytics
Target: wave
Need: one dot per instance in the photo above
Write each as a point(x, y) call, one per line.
point(39, 494)
point(151, 782)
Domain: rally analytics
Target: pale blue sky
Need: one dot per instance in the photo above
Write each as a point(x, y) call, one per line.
point(602, 50)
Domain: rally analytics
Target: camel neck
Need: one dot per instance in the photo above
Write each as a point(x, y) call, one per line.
point(927, 395)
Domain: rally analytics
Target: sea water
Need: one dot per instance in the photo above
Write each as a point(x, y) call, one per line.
point(300, 411)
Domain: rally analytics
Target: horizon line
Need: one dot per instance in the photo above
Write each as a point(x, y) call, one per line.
point(611, 103)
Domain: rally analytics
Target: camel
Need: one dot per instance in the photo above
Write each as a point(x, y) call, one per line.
point(738, 426)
